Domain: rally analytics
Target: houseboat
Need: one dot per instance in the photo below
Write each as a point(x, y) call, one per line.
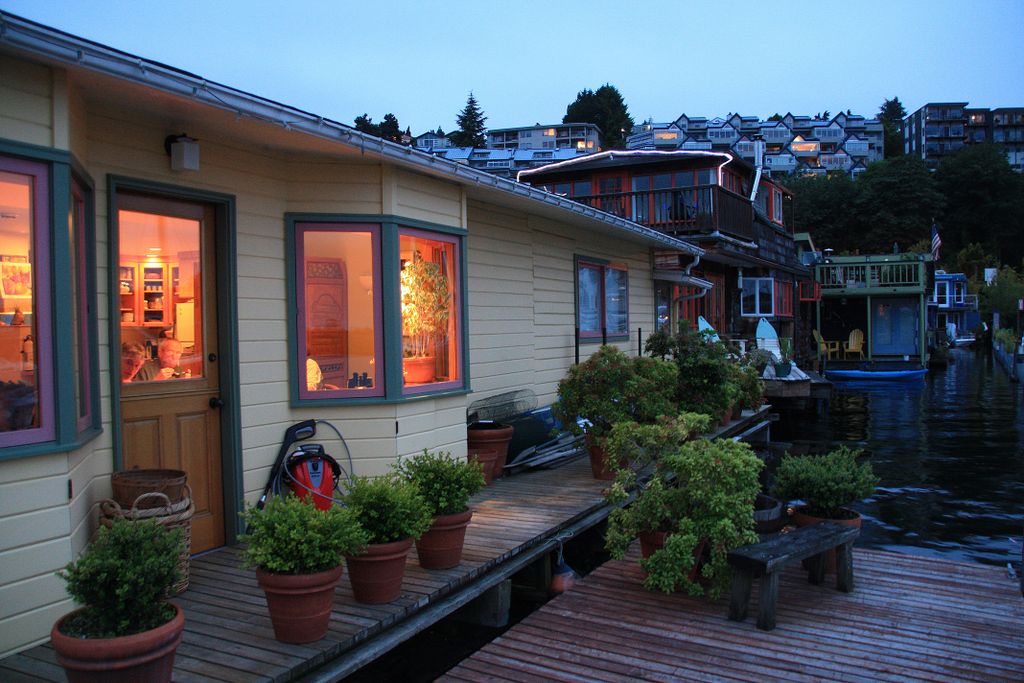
point(257, 258)
point(952, 311)
point(727, 207)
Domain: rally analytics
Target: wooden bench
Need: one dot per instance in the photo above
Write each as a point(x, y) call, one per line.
point(764, 560)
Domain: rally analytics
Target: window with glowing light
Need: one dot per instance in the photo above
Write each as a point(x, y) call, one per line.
point(26, 413)
point(339, 310)
point(429, 286)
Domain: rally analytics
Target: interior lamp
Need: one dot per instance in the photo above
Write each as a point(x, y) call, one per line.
point(184, 152)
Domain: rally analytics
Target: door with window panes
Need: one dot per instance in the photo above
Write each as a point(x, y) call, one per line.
point(170, 398)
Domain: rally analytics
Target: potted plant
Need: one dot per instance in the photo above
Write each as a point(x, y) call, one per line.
point(826, 484)
point(610, 387)
point(426, 303)
point(751, 387)
point(633, 448)
point(297, 551)
point(702, 369)
point(393, 513)
point(446, 484)
point(784, 365)
point(701, 499)
point(126, 630)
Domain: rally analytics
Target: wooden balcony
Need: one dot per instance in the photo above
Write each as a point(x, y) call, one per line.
point(700, 209)
point(870, 275)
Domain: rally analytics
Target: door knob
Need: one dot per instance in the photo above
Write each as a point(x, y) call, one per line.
point(215, 402)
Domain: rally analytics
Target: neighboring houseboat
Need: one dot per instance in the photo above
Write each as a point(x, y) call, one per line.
point(265, 261)
point(872, 310)
point(952, 311)
point(716, 201)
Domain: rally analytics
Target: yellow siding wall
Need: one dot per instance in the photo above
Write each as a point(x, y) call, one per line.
point(520, 279)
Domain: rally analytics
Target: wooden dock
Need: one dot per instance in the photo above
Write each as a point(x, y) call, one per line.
point(909, 618)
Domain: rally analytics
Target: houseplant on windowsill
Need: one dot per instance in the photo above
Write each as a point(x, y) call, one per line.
point(126, 630)
point(297, 551)
point(701, 499)
point(610, 387)
point(394, 514)
point(426, 299)
point(446, 483)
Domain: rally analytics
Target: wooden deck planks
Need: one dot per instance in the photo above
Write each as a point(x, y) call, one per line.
point(908, 618)
point(228, 635)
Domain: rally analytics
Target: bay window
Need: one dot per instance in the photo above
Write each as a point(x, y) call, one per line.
point(602, 299)
point(377, 311)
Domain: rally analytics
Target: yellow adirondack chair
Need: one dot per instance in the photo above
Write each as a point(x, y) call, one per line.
point(826, 348)
point(855, 344)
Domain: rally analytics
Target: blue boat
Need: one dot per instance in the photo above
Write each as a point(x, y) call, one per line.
point(887, 375)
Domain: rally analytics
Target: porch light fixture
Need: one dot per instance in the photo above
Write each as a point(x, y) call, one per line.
point(184, 152)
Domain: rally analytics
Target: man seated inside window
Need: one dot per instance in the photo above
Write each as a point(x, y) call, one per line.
point(166, 365)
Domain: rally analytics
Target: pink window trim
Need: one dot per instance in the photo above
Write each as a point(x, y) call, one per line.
point(43, 343)
point(300, 295)
point(84, 342)
point(459, 382)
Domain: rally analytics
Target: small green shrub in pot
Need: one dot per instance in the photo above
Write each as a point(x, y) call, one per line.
point(388, 507)
point(751, 387)
point(291, 536)
point(826, 483)
point(122, 579)
point(445, 483)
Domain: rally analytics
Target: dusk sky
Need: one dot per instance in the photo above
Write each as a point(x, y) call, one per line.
point(526, 61)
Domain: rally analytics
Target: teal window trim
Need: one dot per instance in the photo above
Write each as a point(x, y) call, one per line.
point(390, 301)
point(578, 261)
point(68, 435)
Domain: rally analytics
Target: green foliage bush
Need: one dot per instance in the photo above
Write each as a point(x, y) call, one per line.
point(122, 579)
point(826, 483)
point(1007, 339)
point(388, 508)
point(751, 388)
point(446, 483)
point(291, 536)
point(703, 369)
point(703, 493)
point(611, 387)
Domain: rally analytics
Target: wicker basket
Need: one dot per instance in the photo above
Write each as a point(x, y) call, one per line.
point(177, 515)
point(129, 485)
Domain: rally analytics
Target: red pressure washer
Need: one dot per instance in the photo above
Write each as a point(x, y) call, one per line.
point(304, 470)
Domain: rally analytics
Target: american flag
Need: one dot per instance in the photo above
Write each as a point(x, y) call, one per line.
point(936, 242)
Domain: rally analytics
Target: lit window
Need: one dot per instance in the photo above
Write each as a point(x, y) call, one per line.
point(430, 315)
point(602, 299)
point(26, 412)
point(338, 312)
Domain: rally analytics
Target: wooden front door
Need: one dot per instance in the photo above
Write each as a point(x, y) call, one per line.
point(170, 402)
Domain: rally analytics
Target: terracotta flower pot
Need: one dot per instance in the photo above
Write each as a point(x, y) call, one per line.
point(418, 369)
point(300, 604)
point(441, 546)
point(487, 457)
point(800, 518)
point(376, 576)
point(492, 435)
point(146, 656)
point(599, 462)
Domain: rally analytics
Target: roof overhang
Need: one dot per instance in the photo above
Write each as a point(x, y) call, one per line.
point(191, 91)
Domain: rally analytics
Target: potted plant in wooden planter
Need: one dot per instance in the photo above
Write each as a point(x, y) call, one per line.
point(126, 630)
point(826, 484)
point(394, 514)
point(610, 387)
point(446, 483)
point(426, 303)
point(298, 551)
point(701, 497)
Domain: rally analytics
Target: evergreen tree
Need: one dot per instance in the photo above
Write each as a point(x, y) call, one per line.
point(364, 124)
point(775, 117)
point(389, 128)
point(606, 109)
point(471, 125)
point(821, 206)
point(896, 201)
point(891, 114)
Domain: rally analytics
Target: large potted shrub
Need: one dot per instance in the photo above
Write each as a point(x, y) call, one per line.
point(394, 514)
point(426, 303)
point(297, 551)
point(702, 377)
point(126, 630)
point(701, 498)
point(610, 387)
point(826, 484)
point(446, 484)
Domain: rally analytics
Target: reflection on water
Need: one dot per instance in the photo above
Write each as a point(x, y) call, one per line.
point(949, 450)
